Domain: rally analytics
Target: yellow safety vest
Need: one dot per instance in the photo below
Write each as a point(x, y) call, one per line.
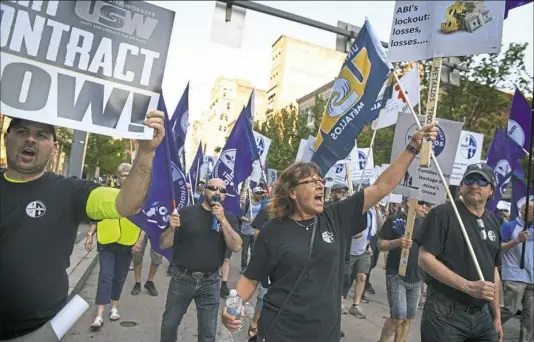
point(121, 231)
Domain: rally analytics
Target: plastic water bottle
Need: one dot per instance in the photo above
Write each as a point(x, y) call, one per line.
point(234, 306)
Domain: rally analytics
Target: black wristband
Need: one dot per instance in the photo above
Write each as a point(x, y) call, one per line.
point(412, 149)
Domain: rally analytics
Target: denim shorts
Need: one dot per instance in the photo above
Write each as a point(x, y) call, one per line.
point(403, 297)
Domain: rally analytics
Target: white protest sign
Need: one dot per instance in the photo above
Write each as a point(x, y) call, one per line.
point(397, 103)
point(95, 66)
point(424, 183)
point(300, 151)
point(469, 152)
point(427, 29)
point(336, 174)
point(207, 167)
point(263, 143)
point(272, 175)
point(308, 151)
point(359, 163)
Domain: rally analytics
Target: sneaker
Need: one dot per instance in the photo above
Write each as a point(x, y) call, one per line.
point(344, 309)
point(151, 288)
point(225, 291)
point(356, 311)
point(370, 289)
point(243, 269)
point(136, 289)
point(114, 314)
point(364, 300)
point(97, 324)
point(131, 267)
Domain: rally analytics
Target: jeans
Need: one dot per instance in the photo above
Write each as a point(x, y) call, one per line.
point(403, 297)
point(445, 320)
point(248, 242)
point(516, 295)
point(182, 290)
point(114, 266)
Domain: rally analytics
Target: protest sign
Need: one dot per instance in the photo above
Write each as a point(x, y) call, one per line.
point(424, 183)
point(469, 152)
point(308, 151)
point(427, 29)
point(263, 144)
point(300, 151)
point(358, 166)
point(272, 175)
point(95, 66)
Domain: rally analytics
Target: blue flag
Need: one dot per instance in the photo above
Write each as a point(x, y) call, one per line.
point(194, 171)
point(180, 121)
point(503, 156)
point(359, 93)
point(168, 185)
point(235, 162)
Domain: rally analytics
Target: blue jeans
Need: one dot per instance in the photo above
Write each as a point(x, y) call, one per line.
point(402, 297)
point(114, 266)
point(446, 320)
point(182, 290)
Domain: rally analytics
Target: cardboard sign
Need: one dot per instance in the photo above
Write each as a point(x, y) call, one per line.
point(427, 29)
point(424, 183)
point(95, 66)
point(469, 152)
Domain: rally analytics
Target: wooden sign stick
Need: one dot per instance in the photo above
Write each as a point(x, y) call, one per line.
point(431, 105)
point(410, 221)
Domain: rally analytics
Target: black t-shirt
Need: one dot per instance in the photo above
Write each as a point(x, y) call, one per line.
point(261, 218)
point(441, 236)
point(313, 313)
point(394, 229)
point(38, 224)
point(196, 247)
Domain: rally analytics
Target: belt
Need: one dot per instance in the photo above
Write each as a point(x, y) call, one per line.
point(195, 274)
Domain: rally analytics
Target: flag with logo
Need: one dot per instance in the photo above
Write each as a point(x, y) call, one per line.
point(194, 171)
point(235, 161)
point(520, 120)
point(511, 4)
point(168, 188)
point(503, 156)
point(519, 195)
point(262, 144)
point(361, 90)
point(180, 121)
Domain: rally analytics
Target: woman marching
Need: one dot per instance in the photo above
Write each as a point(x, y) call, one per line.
point(300, 250)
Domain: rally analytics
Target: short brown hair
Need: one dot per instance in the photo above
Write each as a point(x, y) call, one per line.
point(281, 205)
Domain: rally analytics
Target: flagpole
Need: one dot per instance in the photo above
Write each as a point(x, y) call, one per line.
point(454, 207)
point(527, 202)
point(169, 171)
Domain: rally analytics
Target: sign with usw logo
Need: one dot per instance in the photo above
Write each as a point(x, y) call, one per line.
point(469, 152)
point(424, 183)
point(95, 66)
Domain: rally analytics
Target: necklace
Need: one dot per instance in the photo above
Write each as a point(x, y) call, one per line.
point(302, 225)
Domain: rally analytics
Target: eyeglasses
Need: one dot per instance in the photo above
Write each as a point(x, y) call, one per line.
point(313, 182)
point(478, 181)
point(216, 188)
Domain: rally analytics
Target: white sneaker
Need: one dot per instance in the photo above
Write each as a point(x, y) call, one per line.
point(97, 324)
point(114, 315)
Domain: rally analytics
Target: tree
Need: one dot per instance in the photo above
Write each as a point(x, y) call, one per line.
point(106, 153)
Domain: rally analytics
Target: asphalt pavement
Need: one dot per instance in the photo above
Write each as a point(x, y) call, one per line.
point(141, 315)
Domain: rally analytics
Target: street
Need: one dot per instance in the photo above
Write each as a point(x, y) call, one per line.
point(141, 315)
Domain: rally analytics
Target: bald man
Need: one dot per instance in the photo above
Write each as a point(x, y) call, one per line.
point(199, 243)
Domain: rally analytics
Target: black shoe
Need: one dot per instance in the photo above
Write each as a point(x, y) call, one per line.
point(364, 300)
point(342, 334)
point(225, 291)
point(136, 289)
point(149, 286)
point(370, 289)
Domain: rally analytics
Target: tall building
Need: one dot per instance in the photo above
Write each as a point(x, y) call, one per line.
point(298, 68)
point(228, 97)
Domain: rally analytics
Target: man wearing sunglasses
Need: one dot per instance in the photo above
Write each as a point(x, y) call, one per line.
point(199, 244)
point(459, 306)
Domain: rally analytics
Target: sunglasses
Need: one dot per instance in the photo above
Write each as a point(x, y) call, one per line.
point(424, 203)
point(216, 188)
point(481, 182)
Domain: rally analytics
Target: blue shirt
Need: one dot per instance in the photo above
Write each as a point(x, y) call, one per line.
point(252, 212)
point(511, 258)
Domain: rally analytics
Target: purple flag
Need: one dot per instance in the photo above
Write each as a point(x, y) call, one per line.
point(519, 195)
point(511, 4)
point(520, 120)
point(503, 156)
point(195, 169)
point(168, 188)
point(180, 121)
point(235, 162)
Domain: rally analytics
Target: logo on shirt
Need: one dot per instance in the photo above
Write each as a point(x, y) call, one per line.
point(35, 209)
point(328, 237)
point(492, 236)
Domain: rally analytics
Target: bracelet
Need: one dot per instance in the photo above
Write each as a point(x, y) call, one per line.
point(412, 149)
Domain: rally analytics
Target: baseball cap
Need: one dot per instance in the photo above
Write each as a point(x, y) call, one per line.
point(339, 186)
point(15, 121)
point(258, 189)
point(481, 169)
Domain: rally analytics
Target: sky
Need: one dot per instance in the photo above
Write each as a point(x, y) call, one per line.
point(194, 57)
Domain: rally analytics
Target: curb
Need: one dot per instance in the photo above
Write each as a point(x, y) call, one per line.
point(82, 264)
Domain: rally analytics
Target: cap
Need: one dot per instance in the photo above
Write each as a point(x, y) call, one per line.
point(339, 186)
point(15, 121)
point(481, 169)
point(258, 189)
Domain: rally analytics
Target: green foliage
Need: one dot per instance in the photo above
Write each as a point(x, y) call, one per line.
point(106, 153)
point(64, 139)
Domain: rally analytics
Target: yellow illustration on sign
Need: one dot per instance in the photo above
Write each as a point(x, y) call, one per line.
point(466, 16)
